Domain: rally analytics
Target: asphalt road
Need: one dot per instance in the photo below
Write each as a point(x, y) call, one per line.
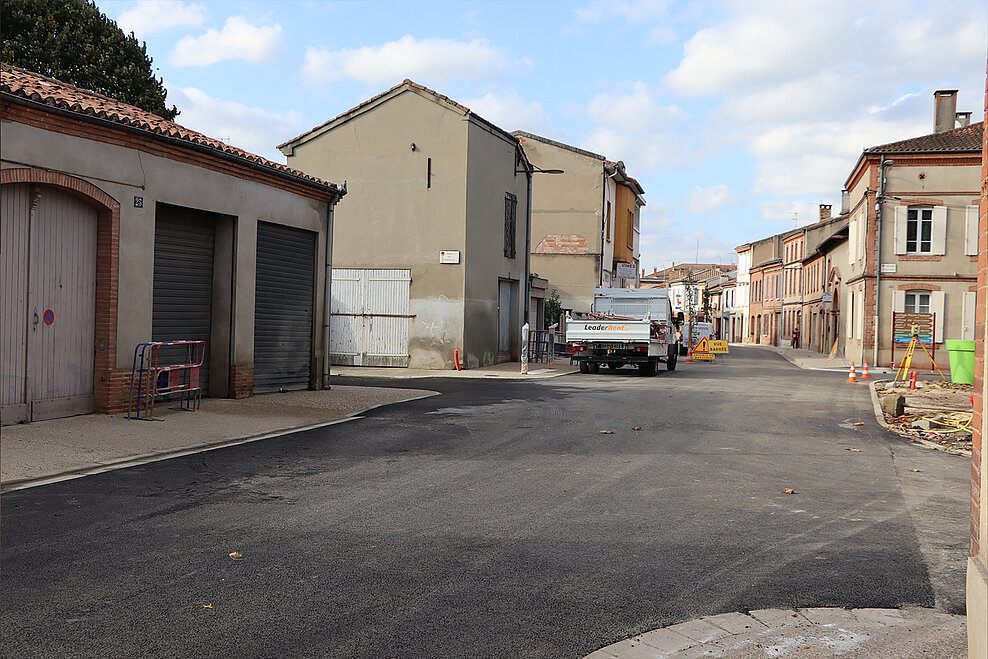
point(495, 520)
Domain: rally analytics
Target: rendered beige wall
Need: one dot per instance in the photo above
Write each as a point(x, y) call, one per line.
point(491, 172)
point(570, 203)
point(125, 173)
point(391, 218)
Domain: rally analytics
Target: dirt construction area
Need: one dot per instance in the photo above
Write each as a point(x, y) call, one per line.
point(936, 413)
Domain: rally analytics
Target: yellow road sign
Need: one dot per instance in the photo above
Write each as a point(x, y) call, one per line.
point(719, 347)
point(703, 355)
point(701, 346)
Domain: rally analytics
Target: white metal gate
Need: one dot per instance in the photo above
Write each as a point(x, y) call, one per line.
point(48, 262)
point(370, 319)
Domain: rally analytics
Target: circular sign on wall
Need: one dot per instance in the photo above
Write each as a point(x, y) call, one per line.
point(49, 317)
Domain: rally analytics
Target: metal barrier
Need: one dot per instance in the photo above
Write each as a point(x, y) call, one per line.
point(541, 346)
point(150, 378)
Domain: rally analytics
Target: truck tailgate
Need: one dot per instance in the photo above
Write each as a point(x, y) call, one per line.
point(607, 330)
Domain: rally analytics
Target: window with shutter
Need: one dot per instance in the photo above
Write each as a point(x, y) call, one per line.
point(919, 231)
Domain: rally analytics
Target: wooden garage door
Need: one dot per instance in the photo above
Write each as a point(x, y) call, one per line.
point(370, 319)
point(48, 261)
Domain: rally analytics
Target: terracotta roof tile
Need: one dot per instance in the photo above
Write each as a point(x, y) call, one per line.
point(967, 138)
point(55, 93)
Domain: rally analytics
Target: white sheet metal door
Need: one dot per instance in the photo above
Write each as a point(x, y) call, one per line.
point(370, 319)
point(49, 303)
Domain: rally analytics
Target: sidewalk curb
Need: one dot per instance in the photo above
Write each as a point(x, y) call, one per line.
point(774, 632)
point(14, 484)
point(449, 374)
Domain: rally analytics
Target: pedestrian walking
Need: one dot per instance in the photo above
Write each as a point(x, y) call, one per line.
point(795, 338)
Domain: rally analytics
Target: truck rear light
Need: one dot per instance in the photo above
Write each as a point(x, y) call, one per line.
point(574, 348)
point(641, 349)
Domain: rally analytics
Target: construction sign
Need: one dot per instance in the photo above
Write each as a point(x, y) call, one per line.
point(702, 346)
point(703, 356)
point(718, 347)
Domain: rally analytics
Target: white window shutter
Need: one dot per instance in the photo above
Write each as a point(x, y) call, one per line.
point(849, 316)
point(971, 232)
point(939, 230)
point(862, 235)
point(967, 316)
point(900, 229)
point(852, 239)
point(937, 307)
point(860, 313)
point(898, 301)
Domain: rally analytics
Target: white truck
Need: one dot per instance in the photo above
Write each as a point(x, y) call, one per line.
point(627, 326)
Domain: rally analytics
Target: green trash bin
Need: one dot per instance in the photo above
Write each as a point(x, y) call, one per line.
point(961, 361)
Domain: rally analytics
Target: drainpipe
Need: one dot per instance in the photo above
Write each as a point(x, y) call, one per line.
point(327, 293)
point(878, 258)
point(528, 247)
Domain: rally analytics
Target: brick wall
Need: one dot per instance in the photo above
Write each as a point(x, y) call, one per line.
point(977, 447)
point(562, 243)
point(242, 380)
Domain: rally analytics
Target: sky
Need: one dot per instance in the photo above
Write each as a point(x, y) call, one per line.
point(739, 118)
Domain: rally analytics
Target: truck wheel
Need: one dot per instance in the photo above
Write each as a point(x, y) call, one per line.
point(672, 359)
point(595, 368)
point(649, 368)
point(584, 367)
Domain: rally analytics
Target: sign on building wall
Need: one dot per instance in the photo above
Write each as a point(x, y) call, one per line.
point(626, 270)
point(449, 256)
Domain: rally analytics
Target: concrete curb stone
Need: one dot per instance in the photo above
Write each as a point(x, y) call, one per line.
point(814, 632)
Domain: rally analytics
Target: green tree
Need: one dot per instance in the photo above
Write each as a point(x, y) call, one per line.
point(72, 40)
point(553, 309)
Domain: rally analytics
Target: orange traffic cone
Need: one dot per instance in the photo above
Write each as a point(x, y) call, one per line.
point(852, 376)
point(864, 371)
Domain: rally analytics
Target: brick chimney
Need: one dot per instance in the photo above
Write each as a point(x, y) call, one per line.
point(824, 212)
point(944, 109)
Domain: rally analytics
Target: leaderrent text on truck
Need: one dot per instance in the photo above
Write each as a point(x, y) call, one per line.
point(627, 326)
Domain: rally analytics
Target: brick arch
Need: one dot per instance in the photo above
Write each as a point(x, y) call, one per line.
point(108, 389)
point(81, 187)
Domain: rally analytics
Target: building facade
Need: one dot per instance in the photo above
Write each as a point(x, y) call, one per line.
point(431, 250)
point(121, 228)
point(586, 220)
point(912, 236)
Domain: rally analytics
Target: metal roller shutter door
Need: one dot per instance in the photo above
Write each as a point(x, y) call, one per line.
point(183, 281)
point(283, 307)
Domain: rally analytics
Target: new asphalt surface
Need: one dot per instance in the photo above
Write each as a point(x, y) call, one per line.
point(495, 520)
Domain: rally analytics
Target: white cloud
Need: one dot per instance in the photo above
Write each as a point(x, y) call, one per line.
point(432, 60)
point(252, 129)
point(509, 110)
point(237, 40)
point(149, 16)
point(631, 125)
point(636, 111)
point(708, 200)
point(791, 85)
